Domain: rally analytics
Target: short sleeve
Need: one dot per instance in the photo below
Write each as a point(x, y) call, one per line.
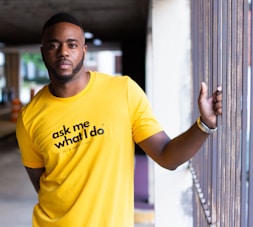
point(29, 154)
point(144, 123)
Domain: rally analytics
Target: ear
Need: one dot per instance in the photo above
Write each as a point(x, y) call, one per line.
point(42, 52)
point(84, 50)
point(41, 49)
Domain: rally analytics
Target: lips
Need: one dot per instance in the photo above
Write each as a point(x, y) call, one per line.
point(63, 64)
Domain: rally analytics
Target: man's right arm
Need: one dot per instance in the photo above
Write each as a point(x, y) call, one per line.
point(35, 174)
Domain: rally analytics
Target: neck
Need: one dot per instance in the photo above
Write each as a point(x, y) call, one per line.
point(70, 88)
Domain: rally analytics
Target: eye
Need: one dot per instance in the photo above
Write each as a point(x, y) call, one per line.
point(72, 45)
point(53, 46)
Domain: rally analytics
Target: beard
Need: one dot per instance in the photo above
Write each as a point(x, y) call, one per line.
point(64, 78)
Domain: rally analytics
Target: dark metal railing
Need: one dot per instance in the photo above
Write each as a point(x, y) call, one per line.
point(223, 171)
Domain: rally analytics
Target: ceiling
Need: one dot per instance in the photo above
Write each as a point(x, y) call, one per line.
point(110, 20)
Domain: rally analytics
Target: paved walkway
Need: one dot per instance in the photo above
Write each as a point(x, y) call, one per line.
point(17, 195)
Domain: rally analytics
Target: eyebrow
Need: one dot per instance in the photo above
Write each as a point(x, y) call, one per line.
point(58, 41)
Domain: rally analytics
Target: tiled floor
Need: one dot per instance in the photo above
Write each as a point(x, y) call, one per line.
point(17, 195)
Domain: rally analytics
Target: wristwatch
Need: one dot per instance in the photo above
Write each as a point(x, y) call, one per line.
point(204, 128)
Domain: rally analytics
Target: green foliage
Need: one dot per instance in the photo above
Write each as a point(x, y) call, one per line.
point(35, 58)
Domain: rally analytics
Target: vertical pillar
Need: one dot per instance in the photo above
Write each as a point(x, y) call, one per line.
point(168, 84)
point(12, 65)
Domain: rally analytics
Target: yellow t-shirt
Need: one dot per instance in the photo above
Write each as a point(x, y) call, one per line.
point(86, 144)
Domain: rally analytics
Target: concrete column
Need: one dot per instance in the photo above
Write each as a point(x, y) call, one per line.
point(168, 85)
point(12, 64)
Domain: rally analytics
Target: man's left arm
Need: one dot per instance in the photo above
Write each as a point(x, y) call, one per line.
point(172, 153)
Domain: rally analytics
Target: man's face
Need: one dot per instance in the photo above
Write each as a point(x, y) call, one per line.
point(63, 50)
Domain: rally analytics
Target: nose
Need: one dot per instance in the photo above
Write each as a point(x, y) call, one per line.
point(63, 50)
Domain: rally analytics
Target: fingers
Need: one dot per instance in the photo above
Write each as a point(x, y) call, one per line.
point(215, 101)
point(218, 108)
point(219, 89)
point(218, 101)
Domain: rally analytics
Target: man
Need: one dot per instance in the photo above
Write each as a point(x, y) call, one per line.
point(77, 136)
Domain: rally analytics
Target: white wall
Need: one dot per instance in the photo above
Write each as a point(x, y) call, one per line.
point(169, 90)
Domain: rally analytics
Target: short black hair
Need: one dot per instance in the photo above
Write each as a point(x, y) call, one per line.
point(62, 17)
